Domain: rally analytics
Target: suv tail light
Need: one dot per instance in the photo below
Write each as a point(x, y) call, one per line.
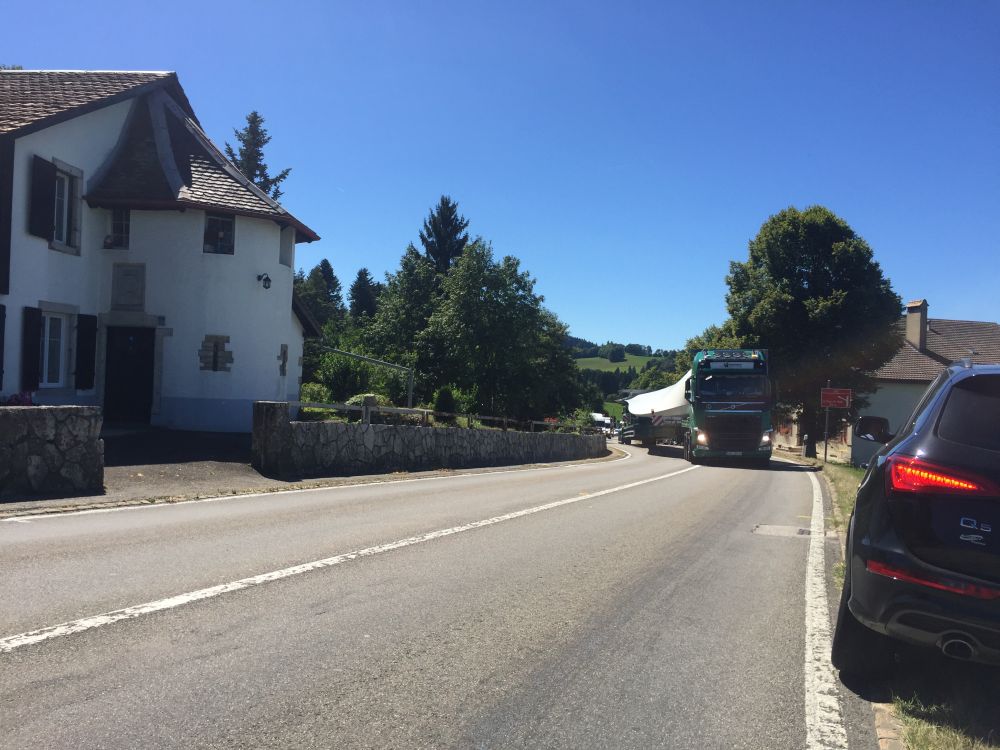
point(912, 474)
point(963, 588)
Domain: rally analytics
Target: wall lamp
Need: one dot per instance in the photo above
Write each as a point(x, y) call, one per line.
point(265, 280)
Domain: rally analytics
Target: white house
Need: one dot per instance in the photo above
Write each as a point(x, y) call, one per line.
point(931, 344)
point(139, 269)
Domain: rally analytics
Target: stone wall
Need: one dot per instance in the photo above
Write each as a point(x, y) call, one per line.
point(303, 449)
point(50, 450)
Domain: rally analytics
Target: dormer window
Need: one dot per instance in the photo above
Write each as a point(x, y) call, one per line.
point(121, 220)
point(220, 234)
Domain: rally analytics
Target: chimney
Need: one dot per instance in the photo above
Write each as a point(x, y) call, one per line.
point(916, 323)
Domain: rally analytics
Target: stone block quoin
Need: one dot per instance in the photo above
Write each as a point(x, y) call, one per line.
point(213, 355)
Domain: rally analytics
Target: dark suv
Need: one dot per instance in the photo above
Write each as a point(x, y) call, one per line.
point(923, 545)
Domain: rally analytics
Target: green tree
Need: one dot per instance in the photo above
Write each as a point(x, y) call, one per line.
point(321, 292)
point(250, 157)
point(363, 295)
point(812, 293)
point(11, 67)
point(490, 336)
point(444, 237)
point(404, 307)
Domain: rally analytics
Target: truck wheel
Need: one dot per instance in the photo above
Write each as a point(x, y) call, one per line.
point(627, 441)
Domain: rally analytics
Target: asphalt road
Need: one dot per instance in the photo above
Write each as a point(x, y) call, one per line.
point(618, 604)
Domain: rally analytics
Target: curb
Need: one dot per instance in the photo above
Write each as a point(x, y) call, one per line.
point(887, 727)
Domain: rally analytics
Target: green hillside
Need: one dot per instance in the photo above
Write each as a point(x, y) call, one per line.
point(599, 363)
point(612, 409)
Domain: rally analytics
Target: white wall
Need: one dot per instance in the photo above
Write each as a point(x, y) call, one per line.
point(193, 292)
point(38, 273)
point(200, 293)
point(895, 402)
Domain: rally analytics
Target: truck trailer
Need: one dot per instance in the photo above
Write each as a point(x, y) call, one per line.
point(720, 408)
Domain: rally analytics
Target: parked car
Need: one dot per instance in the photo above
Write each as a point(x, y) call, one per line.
point(923, 544)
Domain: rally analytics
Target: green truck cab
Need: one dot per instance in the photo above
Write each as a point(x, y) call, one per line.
point(723, 411)
point(730, 396)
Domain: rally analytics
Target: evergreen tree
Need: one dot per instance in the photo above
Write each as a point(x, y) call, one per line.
point(444, 236)
point(321, 292)
point(250, 158)
point(363, 295)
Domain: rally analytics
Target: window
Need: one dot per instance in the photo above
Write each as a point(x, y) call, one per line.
point(54, 206)
point(120, 221)
point(50, 358)
point(63, 215)
point(66, 207)
point(971, 415)
point(219, 234)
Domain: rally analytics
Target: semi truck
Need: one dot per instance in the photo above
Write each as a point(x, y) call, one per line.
point(720, 408)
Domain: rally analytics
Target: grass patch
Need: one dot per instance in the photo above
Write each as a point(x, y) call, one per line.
point(844, 481)
point(599, 363)
point(613, 410)
point(963, 721)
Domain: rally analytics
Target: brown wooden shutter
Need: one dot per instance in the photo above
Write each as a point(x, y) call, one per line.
point(42, 212)
point(3, 328)
point(31, 348)
point(86, 351)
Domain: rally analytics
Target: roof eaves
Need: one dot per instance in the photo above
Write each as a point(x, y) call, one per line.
point(310, 326)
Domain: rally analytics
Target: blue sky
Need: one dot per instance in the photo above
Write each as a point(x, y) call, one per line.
point(624, 151)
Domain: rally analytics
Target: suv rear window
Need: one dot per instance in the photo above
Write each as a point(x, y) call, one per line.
point(971, 415)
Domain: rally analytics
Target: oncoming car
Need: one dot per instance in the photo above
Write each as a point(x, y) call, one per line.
point(923, 545)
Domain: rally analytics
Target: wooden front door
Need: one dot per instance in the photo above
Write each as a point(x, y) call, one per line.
point(128, 379)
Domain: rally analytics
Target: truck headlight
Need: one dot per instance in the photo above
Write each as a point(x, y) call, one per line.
point(702, 438)
point(765, 438)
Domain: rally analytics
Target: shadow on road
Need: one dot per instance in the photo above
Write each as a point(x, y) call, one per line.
point(948, 693)
point(675, 451)
point(152, 446)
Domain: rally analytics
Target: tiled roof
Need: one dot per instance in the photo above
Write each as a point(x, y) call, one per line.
point(947, 341)
point(175, 165)
point(33, 98)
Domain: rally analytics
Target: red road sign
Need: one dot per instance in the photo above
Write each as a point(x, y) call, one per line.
point(835, 398)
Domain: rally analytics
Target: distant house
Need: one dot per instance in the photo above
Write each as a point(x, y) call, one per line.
point(139, 269)
point(931, 344)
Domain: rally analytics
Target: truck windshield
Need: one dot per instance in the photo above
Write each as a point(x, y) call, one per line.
point(713, 386)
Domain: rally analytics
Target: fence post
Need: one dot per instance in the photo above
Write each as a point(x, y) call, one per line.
point(366, 409)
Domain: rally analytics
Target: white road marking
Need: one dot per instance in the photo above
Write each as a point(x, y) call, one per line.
point(824, 720)
point(27, 517)
point(12, 642)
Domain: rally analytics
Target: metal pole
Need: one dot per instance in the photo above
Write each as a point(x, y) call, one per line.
point(363, 358)
point(826, 429)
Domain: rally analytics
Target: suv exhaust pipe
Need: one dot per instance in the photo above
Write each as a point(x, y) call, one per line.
point(958, 648)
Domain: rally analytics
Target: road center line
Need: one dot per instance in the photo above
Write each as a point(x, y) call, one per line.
point(824, 720)
point(12, 642)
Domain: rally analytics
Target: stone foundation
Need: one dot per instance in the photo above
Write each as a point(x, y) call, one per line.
point(50, 450)
point(309, 449)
